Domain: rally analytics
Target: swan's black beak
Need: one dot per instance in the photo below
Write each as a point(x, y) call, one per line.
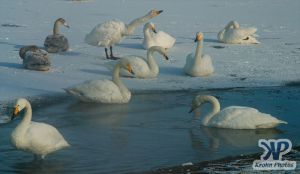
point(15, 113)
point(166, 57)
point(154, 30)
point(196, 40)
point(191, 110)
point(160, 11)
point(66, 25)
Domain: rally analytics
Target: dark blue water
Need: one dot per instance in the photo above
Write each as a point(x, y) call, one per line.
point(153, 131)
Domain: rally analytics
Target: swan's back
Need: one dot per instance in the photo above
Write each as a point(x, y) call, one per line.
point(37, 60)
point(237, 117)
point(162, 39)
point(239, 36)
point(56, 43)
point(106, 34)
point(203, 68)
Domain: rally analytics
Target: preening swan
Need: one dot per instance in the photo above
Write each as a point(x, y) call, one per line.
point(112, 32)
point(37, 138)
point(104, 91)
point(57, 42)
point(155, 38)
point(143, 68)
point(233, 34)
point(35, 58)
point(198, 64)
point(234, 117)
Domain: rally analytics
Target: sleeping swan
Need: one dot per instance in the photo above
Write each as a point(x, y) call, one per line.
point(35, 58)
point(57, 42)
point(104, 91)
point(159, 38)
point(233, 34)
point(198, 64)
point(234, 117)
point(37, 138)
point(112, 32)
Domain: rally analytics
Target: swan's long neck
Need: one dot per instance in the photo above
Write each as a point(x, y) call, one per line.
point(27, 118)
point(135, 23)
point(215, 109)
point(147, 34)
point(198, 53)
point(56, 28)
point(151, 62)
point(116, 79)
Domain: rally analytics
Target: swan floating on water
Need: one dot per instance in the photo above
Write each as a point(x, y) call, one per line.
point(104, 91)
point(35, 58)
point(233, 34)
point(159, 38)
point(234, 117)
point(57, 42)
point(198, 64)
point(37, 138)
point(111, 32)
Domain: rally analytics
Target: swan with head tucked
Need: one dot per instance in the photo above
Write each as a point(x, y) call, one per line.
point(57, 42)
point(104, 91)
point(37, 138)
point(111, 32)
point(234, 117)
point(35, 58)
point(198, 64)
point(234, 34)
point(155, 38)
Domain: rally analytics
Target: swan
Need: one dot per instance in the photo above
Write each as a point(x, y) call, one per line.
point(233, 34)
point(159, 38)
point(198, 64)
point(112, 32)
point(104, 91)
point(143, 68)
point(57, 42)
point(37, 138)
point(234, 117)
point(35, 58)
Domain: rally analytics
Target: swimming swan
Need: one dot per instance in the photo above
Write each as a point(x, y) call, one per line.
point(234, 117)
point(198, 64)
point(37, 138)
point(57, 42)
point(35, 58)
point(233, 34)
point(159, 38)
point(104, 91)
point(112, 32)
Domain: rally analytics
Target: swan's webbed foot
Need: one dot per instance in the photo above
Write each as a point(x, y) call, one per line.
point(114, 58)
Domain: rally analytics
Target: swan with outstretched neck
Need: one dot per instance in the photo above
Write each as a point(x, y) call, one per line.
point(197, 64)
point(234, 117)
point(111, 32)
point(57, 42)
point(234, 34)
point(37, 138)
point(156, 38)
point(104, 91)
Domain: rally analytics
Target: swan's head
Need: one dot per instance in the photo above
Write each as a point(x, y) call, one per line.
point(124, 63)
point(151, 26)
point(23, 50)
point(154, 13)
point(62, 22)
point(19, 106)
point(198, 101)
point(199, 37)
point(161, 50)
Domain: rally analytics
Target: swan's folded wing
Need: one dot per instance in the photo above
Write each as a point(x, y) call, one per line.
point(243, 33)
point(163, 39)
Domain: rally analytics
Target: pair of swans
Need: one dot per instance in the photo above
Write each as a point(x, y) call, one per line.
point(37, 138)
point(234, 34)
point(104, 91)
point(234, 117)
point(156, 38)
point(112, 32)
point(35, 58)
point(57, 42)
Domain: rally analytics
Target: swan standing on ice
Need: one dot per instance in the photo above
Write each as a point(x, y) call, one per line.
point(234, 117)
point(112, 32)
point(198, 64)
point(37, 138)
point(35, 58)
point(104, 91)
point(233, 34)
point(57, 42)
point(159, 38)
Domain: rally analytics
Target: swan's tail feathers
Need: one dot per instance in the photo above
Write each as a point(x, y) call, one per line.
point(282, 122)
point(72, 91)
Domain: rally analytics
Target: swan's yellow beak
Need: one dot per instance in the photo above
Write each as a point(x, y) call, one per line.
point(16, 112)
point(129, 69)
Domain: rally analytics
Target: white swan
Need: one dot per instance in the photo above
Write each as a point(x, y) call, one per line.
point(112, 32)
point(198, 64)
point(57, 42)
point(37, 138)
point(35, 58)
point(159, 38)
point(233, 34)
point(104, 91)
point(234, 117)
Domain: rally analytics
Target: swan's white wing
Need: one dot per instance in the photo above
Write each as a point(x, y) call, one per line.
point(139, 66)
point(163, 39)
point(243, 33)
